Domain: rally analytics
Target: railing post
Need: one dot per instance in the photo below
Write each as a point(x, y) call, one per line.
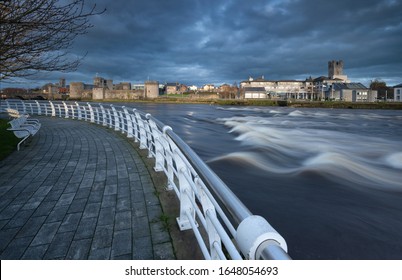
point(53, 109)
point(116, 119)
point(24, 109)
point(122, 121)
point(129, 122)
point(109, 118)
point(103, 111)
point(97, 118)
point(186, 194)
point(141, 127)
point(169, 147)
point(79, 115)
point(209, 210)
point(46, 108)
point(65, 110)
point(39, 109)
point(135, 125)
point(159, 149)
point(148, 131)
point(72, 111)
point(59, 108)
point(91, 112)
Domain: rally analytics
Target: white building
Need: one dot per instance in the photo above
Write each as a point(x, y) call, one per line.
point(352, 92)
point(193, 88)
point(255, 93)
point(398, 93)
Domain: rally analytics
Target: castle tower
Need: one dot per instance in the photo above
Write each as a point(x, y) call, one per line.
point(62, 82)
point(335, 68)
point(151, 89)
point(335, 71)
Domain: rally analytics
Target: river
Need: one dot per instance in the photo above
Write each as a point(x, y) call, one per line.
point(329, 181)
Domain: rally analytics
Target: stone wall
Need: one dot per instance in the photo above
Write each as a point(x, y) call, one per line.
point(102, 93)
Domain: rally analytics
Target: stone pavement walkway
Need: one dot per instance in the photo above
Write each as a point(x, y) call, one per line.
point(79, 191)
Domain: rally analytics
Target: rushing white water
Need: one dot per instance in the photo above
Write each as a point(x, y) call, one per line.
point(329, 181)
point(333, 145)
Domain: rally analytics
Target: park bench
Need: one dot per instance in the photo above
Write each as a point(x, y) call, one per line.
point(13, 113)
point(24, 128)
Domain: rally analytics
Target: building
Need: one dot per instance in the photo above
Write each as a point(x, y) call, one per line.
point(335, 71)
point(80, 90)
point(398, 93)
point(172, 88)
point(281, 88)
point(352, 92)
point(122, 86)
point(254, 92)
point(100, 82)
point(208, 87)
point(151, 89)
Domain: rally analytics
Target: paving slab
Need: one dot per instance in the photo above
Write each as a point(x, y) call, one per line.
point(79, 191)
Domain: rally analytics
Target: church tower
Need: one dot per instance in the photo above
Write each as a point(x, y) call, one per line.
point(335, 70)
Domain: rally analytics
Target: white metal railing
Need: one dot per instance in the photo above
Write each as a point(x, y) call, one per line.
point(229, 229)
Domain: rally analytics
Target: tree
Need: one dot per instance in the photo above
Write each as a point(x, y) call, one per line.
point(383, 91)
point(36, 35)
point(377, 84)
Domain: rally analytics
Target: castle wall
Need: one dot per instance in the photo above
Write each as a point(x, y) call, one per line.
point(151, 89)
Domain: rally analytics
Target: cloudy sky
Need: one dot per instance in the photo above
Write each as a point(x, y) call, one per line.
point(226, 41)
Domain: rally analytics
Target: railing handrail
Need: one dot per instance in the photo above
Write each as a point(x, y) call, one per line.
point(254, 237)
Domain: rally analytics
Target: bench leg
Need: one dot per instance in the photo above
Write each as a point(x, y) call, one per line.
point(18, 146)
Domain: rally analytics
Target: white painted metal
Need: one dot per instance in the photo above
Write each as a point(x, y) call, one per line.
point(205, 201)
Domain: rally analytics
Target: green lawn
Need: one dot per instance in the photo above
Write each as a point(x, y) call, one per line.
point(8, 141)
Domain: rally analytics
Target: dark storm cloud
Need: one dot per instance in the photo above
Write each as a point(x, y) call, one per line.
point(200, 41)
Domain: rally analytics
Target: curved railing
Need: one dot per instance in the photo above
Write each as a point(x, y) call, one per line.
point(223, 226)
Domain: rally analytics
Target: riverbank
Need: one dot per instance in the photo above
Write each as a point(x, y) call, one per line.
point(268, 102)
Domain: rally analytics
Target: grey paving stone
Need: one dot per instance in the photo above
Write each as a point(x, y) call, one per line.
point(109, 201)
point(10, 211)
point(6, 236)
point(78, 191)
point(46, 234)
point(86, 228)
point(91, 210)
point(163, 251)
point(100, 254)
point(58, 249)
point(122, 243)
point(70, 222)
point(143, 249)
point(106, 216)
point(57, 214)
point(77, 205)
point(32, 226)
point(16, 248)
point(35, 253)
point(19, 219)
point(103, 237)
point(79, 249)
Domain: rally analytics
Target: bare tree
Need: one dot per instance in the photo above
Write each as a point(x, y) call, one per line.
point(36, 35)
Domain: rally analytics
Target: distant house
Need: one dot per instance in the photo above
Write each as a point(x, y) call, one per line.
point(208, 87)
point(172, 88)
point(255, 93)
point(183, 88)
point(352, 92)
point(193, 88)
point(398, 93)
